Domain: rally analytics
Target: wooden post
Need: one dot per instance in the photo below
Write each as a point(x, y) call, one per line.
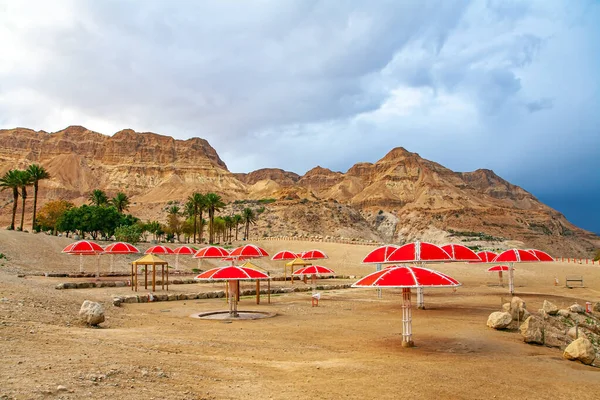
point(145, 276)
point(162, 276)
point(167, 277)
point(153, 277)
point(257, 291)
point(269, 291)
point(131, 276)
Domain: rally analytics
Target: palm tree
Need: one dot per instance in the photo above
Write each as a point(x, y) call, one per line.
point(249, 218)
point(24, 181)
point(11, 180)
point(194, 207)
point(98, 198)
point(213, 203)
point(37, 173)
point(121, 202)
point(228, 226)
point(237, 220)
point(219, 228)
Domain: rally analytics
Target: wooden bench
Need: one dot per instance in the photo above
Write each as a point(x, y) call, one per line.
point(573, 279)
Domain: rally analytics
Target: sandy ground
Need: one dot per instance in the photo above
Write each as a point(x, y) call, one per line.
point(348, 347)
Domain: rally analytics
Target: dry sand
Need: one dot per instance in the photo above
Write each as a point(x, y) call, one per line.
point(348, 347)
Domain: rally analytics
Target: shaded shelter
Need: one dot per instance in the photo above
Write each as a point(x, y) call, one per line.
point(511, 257)
point(297, 262)
point(406, 277)
point(85, 248)
point(119, 248)
point(147, 261)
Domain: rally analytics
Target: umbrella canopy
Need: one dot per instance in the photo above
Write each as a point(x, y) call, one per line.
point(159, 250)
point(379, 255)
point(83, 247)
point(541, 255)
point(407, 277)
point(185, 250)
point(458, 252)
point(485, 256)
point(314, 270)
point(297, 263)
point(249, 251)
point(284, 255)
point(418, 252)
point(121, 248)
point(232, 272)
point(149, 259)
point(313, 255)
point(498, 268)
point(516, 255)
point(211, 252)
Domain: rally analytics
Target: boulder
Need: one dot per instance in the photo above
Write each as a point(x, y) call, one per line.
point(506, 307)
point(555, 338)
point(117, 301)
point(91, 313)
point(576, 308)
point(580, 349)
point(517, 309)
point(564, 313)
point(499, 320)
point(549, 308)
point(533, 330)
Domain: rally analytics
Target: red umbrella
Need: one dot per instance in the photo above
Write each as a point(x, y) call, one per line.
point(232, 275)
point(406, 278)
point(499, 269)
point(119, 248)
point(85, 248)
point(159, 250)
point(211, 252)
point(284, 255)
point(314, 270)
point(313, 255)
point(458, 252)
point(249, 251)
point(513, 256)
point(485, 257)
point(541, 255)
point(418, 252)
point(379, 255)
point(183, 250)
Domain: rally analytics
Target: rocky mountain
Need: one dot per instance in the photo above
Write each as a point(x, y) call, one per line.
point(399, 198)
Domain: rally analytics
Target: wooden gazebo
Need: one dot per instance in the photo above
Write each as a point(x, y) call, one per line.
point(146, 261)
point(298, 262)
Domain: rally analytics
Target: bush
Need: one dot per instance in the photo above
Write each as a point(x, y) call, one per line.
point(128, 233)
point(597, 255)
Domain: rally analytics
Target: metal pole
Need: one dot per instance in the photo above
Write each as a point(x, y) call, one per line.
point(406, 319)
point(379, 294)
point(511, 284)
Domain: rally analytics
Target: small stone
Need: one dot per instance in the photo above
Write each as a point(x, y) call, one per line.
point(61, 388)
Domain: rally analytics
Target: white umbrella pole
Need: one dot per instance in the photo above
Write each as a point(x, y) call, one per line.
point(420, 299)
point(112, 263)
point(406, 319)
point(81, 263)
point(511, 283)
point(379, 295)
point(98, 266)
point(177, 261)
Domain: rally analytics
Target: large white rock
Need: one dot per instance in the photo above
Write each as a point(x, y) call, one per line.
point(533, 330)
point(580, 349)
point(499, 320)
point(517, 309)
point(91, 313)
point(549, 308)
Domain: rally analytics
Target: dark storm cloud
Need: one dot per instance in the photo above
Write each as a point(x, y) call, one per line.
point(507, 85)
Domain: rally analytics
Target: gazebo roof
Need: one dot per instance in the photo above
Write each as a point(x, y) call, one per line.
point(150, 259)
point(297, 262)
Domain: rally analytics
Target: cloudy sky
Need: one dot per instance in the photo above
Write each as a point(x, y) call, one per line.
point(508, 85)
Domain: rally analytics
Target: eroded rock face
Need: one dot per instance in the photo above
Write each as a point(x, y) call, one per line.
point(582, 350)
point(91, 313)
point(499, 320)
point(533, 330)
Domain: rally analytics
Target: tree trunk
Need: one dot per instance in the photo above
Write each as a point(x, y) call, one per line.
point(35, 194)
point(14, 208)
point(23, 198)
